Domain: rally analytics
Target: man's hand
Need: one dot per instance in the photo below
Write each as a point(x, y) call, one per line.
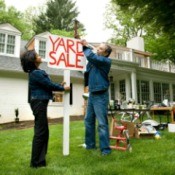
point(67, 88)
point(84, 42)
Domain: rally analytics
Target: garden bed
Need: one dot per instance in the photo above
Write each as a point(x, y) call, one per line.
point(30, 123)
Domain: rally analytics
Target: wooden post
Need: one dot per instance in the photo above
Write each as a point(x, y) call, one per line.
point(66, 119)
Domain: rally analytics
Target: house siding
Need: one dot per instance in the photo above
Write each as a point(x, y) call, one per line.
point(128, 64)
point(14, 94)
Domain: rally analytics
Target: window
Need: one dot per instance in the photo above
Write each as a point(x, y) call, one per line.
point(165, 91)
point(42, 49)
point(143, 91)
point(161, 91)
point(7, 43)
point(10, 44)
point(119, 56)
point(2, 42)
point(122, 90)
point(157, 92)
point(173, 92)
point(58, 97)
point(112, 88)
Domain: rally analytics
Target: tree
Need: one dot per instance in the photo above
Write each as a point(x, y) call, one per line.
point(59, 15)
point(124, 24)
point(16, 18)
point(161, 46)
point(159, 13)
point(157, 40)
point(62, 33)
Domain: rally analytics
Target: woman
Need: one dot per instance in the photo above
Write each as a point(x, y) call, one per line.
point(40, 92)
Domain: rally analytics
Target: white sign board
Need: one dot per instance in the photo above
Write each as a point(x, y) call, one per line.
point(65, 53)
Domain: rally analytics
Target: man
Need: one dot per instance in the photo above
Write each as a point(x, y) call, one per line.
point(98, 68)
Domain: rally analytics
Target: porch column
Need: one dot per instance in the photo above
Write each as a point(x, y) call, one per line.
point(149, 62)
point(128, 88)
point(151, 90)
point(171, 92)
point(132, 55)
point(134, 86)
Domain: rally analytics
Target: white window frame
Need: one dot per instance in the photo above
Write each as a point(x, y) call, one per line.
point(7, 44)
point(37, 47)
point(40, 49)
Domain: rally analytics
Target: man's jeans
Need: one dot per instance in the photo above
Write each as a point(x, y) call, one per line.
point(97, 108)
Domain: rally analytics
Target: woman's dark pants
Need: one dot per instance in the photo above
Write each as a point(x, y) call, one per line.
point(41, 133)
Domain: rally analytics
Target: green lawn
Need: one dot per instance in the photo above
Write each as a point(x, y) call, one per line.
point(148, 156)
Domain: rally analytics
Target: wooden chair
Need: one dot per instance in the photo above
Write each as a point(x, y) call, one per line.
point(119, 133)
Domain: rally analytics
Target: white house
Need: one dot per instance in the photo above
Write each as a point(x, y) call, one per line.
point(14, 82)
point(133, 75)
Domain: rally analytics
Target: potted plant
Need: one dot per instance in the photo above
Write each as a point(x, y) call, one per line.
point(16, 114)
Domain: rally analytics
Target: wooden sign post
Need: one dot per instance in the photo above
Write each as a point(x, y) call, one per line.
point(66, 119)
point(66, 54)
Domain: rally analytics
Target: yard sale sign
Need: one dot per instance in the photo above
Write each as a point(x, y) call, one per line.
point(65, 53)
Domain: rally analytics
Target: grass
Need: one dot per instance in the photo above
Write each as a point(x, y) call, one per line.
point(149, 156)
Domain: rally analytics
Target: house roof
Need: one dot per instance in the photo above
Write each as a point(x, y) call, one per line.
point(41, 35)
point(8, 27)
point(13, 64)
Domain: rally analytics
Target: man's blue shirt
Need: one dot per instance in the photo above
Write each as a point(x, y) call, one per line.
point(98, 68)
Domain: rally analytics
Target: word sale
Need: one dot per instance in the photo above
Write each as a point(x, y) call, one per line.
point(65, 53)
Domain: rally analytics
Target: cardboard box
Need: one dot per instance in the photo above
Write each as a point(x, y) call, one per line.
point(171, 127)
point(134, 131)
point(131, 128)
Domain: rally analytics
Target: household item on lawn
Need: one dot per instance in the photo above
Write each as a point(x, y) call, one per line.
point(147, 129)
point(121, 137)
point(171, 127)
point(155, 124)
point(157, 135)
point(162, 126)
point(150, 122)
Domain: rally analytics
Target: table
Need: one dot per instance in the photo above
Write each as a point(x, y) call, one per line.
point(130, 111)
point(169, 110)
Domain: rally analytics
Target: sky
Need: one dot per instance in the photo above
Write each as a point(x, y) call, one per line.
point(91, 15)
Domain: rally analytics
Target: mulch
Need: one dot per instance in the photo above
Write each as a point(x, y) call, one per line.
point(30, 123)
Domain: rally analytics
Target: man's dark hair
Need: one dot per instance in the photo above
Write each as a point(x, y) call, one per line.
point(108, 50)
point(28, 60)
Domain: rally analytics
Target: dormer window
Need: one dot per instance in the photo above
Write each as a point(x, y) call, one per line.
point(42, 49)
point(7, 43)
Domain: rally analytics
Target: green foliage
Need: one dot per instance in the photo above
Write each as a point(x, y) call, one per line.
point(160, 14)
point(124, 24)
point(2, 6)
point(162, 47)
point(16, 18)
point(62, 33)
point(53, 20)
point(149, 156)
point(59, 15)
point(153, 20)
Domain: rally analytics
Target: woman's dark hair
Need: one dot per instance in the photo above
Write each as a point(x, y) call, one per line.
point(28, 60)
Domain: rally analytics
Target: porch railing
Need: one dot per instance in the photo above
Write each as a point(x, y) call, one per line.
point(146, 62)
